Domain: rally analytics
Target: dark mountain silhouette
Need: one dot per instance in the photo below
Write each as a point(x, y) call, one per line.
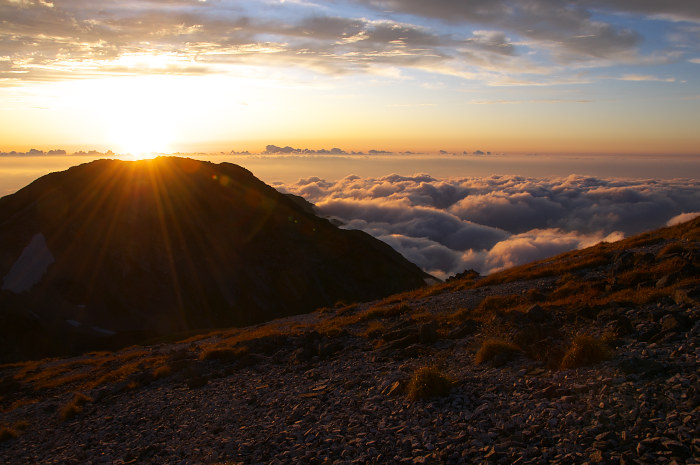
point(118, 251)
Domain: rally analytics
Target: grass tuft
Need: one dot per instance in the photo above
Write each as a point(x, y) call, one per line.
point(223, 353)
point(585, 350)
point(74, 407)
point(162, 371)
point(428, 382)
point(7, 433)
point(496, 351)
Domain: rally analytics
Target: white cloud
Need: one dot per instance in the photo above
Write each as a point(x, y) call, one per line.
point(448, 225)
point(682, 218)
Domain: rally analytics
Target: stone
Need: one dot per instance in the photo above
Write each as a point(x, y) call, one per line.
point(647, 368)
point(675, 322)
point(676, 448)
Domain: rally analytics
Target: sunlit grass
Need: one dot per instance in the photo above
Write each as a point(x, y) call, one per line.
point(429, 382)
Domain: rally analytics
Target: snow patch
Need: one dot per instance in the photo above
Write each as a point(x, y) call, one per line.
point(30, 267)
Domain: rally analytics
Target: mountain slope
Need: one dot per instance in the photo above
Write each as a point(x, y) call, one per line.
point(131, 249)
point(342, 384)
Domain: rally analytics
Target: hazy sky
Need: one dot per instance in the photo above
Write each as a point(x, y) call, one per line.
point(504, 76)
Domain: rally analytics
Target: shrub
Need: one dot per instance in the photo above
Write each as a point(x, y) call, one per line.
point(671, 249)
point(11, 432)
point(496, 351)
point(223, 353)
point(379, 311)
point(429, 382)
point(74, 407)
point(374, 330)
point(494, 303)
point(584, 350)
point(7, 433)
point(162, 371)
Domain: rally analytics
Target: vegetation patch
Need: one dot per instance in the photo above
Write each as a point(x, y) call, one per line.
point(74, 407)
point(500, 303)
point(584, 351)
point(497, 351)
point(379, 311)
point(429, 382)
point(11, 432)
point(162, 371)
point(223, 353)
point(374, 330)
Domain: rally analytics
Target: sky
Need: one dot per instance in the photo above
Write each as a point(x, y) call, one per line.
point(534, 76)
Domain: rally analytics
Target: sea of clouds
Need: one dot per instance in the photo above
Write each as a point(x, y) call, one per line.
point(448, 225)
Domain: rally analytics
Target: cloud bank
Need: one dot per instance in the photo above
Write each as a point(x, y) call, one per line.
point(487, 224)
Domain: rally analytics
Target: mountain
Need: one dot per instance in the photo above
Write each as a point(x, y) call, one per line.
point(588, 357)
point(116, 251)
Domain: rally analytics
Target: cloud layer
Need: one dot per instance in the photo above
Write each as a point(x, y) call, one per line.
point(493, 40)
point(449, 225)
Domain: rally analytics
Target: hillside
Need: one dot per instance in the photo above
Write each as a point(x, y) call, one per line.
point(112, 252)
point(588, 357)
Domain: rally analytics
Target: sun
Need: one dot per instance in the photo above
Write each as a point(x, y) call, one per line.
point(142, 116)
point(141, 137)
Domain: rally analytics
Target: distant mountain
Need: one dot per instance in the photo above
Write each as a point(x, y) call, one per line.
point(116, 251)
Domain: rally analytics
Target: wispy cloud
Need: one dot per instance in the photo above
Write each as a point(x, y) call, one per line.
point(645, 78)
point(529, 102)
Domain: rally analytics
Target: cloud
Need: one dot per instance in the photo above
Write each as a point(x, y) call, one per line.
point(682, 218)
point(645, 78)
point(494, 41)
point(449, 225)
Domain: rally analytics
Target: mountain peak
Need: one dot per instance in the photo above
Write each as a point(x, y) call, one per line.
point(173, 244)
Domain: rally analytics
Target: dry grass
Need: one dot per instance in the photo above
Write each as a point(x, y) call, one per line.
point(124, 371)
point(11, 432)
point(591, 257)
point(422, 315)
point(347, 309)
point(225, 352)
point(374, 330)
point(162, 371)
point(429, 382)
point(500, 303)
point(19, 403)
point(558, 266)
point(585, 350)
point(675, 247)
point(497, 351)
point(74, 407)
point(382, 311)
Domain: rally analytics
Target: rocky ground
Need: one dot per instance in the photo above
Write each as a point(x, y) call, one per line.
point(319, 392)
